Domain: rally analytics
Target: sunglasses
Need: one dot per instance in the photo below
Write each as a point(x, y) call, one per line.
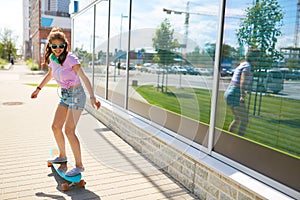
point(55, 46)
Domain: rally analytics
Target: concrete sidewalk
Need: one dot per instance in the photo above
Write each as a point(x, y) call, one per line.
point(114, 170)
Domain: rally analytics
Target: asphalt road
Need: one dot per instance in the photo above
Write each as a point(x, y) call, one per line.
point(291, 88)
point(117, 77)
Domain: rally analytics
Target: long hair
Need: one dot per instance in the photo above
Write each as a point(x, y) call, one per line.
point(56, 34)
point(253, 54)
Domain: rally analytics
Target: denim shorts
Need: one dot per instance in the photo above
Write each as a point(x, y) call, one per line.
point(73, 98)
point(232, 96)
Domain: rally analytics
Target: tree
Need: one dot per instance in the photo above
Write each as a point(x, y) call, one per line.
point(165, 45)
point(194, 57)
point(8, 44)
point(260, 28)
point(210, 48)
point(292, 63)
point(83, 55)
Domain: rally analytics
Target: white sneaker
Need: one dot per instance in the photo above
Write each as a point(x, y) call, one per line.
point(75, 171)
point(58, 160)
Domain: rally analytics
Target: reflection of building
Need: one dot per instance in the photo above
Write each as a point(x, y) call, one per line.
point(40, 16)
point(291, 56)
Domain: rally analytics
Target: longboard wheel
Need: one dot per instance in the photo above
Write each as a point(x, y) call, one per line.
point(65, 186)
point(81, 183)
point(49, 164)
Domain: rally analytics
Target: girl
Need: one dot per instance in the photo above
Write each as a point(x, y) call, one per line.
point(65, 68)
point(236, 92)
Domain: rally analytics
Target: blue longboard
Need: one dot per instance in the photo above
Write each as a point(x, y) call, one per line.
point(62, 168)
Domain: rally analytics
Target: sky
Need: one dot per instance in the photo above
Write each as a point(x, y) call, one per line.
point(11, 17)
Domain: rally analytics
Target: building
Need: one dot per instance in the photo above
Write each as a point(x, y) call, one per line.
point(26, 39)
point(291, 57)
point(40, 16)
point(188, 143)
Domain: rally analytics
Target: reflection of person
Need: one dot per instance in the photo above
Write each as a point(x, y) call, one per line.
point(65, 68)
point(236, 92)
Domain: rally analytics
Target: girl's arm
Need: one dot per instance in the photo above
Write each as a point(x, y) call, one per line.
point(88, 86)
point(243, 84)
point(46, 79)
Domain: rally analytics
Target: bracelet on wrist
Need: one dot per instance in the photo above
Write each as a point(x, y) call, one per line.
point(92, 97)
point(39, 88)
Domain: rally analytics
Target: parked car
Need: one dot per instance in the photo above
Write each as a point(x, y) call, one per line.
point(96, 62)
point(156, 69)
point(205, 71)
point(227, 70)
point(178, 70)
point(131, 66)
point(191, 70)
point(289, 74)
point(297, 72)
point(145, 67)
point(271, 80)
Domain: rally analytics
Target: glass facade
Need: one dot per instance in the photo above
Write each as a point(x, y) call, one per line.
point(173, 61)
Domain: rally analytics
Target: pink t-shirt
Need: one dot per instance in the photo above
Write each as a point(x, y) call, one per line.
point(64, 74)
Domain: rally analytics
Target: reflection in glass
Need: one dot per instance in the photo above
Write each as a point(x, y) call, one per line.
point(269, 100)
point(82, 33)
point(171, 59)
point(101, 56)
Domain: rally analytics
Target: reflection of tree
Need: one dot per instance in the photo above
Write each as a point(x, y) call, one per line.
point(260, 28)
point(292, 63)
point(165, 45)
point(228, 52)
point(83, 55)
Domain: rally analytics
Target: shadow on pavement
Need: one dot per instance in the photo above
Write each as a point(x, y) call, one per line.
point(75, 193)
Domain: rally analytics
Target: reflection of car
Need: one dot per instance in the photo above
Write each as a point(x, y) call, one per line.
point(191, 70)
point(289, 74)
point(178, 70)
point(96, 62)
point(297, 72)
point(156, 69)
point(227, 71)
point(272, 80)
point(145, 67)
point(131, 66)
point(205, 71)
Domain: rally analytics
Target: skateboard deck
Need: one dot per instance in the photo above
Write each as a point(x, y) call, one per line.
point(61, 169)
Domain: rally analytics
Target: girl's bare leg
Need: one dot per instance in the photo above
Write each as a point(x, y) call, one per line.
point(236, 121)
point(243, 115)
point(70, 126)
point(57, 126)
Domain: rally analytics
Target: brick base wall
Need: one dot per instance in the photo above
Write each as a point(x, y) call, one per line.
point(204, 181)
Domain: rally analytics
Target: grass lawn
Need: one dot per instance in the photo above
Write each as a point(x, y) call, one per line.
point(277, 125)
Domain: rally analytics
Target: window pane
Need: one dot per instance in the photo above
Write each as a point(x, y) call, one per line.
point(83, 29)
point(172, 64)
point(101, 48)
point(118, 50)
point(271, 101)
